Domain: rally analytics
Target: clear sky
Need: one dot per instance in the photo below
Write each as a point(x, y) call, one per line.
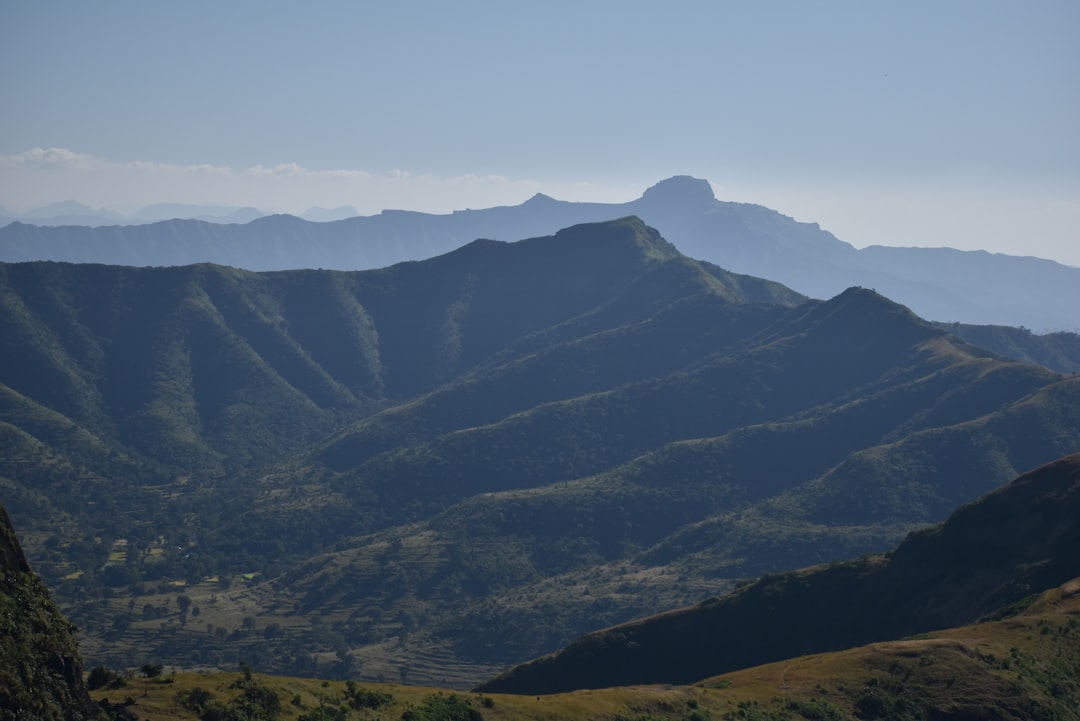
point(949, 122)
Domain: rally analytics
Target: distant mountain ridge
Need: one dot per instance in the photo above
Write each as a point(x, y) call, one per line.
point(939, 284)
point(71, 212)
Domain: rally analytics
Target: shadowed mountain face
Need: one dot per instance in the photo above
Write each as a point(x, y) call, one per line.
point(937, 283)
point(1021, 539)
point(498, 449)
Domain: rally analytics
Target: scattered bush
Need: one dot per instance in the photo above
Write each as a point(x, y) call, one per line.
point(366, 698)
point(197, 699)
point(442, 707)
point(325, 713)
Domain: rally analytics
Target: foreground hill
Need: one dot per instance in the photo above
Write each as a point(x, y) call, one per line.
point(940, 284)
point(996, 551)
point(440, 469)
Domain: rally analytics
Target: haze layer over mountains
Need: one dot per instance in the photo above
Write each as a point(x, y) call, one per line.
point(938, 284)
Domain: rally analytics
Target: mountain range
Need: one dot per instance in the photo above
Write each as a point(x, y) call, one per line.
point(72, 212)
point(438, 469)
point(941, 284)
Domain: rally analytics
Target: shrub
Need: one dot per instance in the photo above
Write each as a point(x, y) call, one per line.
point(366, 698)
point(101, 677)
point(197, 699)
point(440, 707)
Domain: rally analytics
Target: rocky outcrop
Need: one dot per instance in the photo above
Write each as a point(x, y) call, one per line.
point(41, 670)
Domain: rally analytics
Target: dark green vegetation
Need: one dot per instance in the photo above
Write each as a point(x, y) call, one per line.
point(430, 472)
point(41, 670)
point(989, 555)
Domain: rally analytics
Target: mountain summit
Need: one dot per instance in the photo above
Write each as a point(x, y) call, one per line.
point(681, 191)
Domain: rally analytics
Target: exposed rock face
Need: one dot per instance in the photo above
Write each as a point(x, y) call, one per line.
point(41, 670)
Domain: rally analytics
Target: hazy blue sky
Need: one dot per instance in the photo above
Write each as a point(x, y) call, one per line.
point(919, 123)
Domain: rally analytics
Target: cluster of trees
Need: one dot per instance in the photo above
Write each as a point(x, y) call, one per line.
point(258, 702)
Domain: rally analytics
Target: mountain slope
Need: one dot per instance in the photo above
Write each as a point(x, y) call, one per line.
point(1019, 539)
point(937, 283)
point(589, 510)
point(446, 467)
point(207, 366)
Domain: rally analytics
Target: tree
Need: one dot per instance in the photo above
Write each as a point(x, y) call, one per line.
point(151, 670)
point(101, 677)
